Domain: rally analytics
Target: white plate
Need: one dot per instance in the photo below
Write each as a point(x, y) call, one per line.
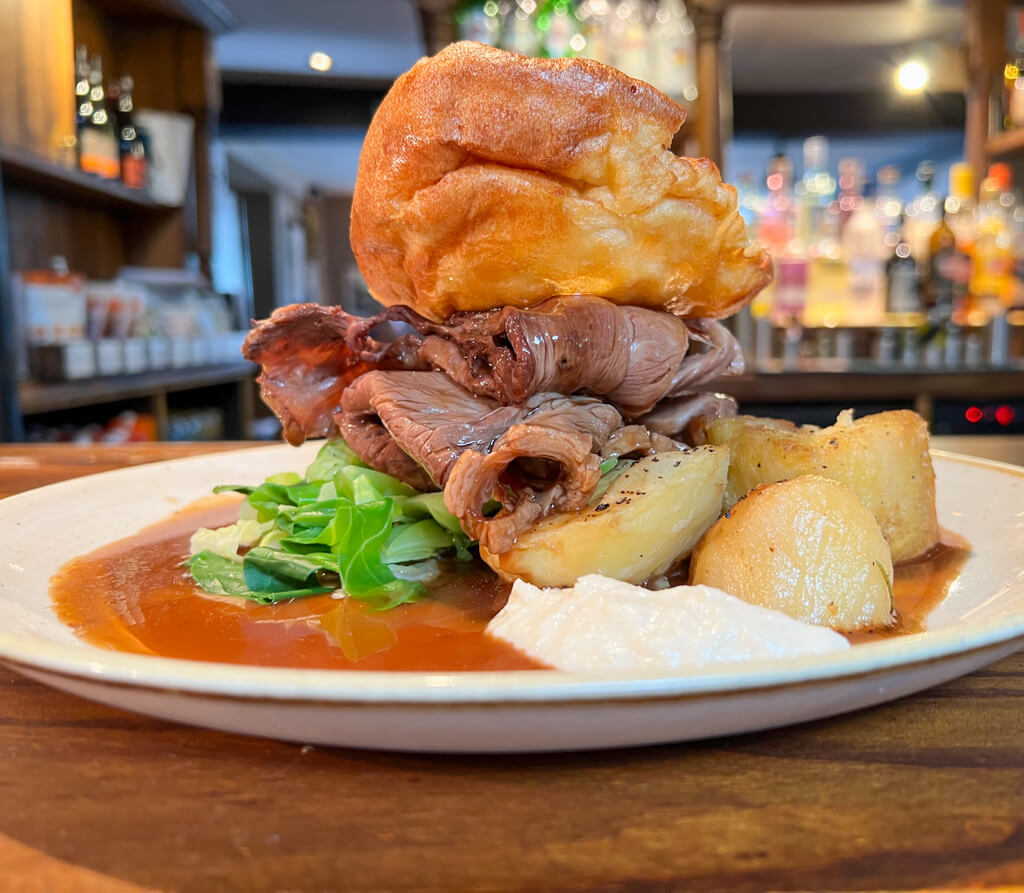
point(981, 621)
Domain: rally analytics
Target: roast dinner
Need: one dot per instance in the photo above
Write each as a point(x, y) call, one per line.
point(523, 464)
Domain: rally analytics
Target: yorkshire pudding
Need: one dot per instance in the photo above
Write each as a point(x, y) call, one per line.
point(488, 179)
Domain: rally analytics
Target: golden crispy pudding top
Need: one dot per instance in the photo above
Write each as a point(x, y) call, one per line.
point(488, 178)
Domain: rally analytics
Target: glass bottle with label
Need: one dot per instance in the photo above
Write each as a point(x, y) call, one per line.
point(865, 270)
point(777, 232)
point(594, 29)
point(959, 206)
point(819, 233)
point(673, 54)
point(1013, 81)
point(83, 107)
point(519, 28)
point(631, 38)
point(888, 207)
point(949, 270)
point(851, 189)
point(132, 148)
point(992, 261)
point(815, 190)
point(559, 30)
point(902, 292)
point(97, 139)
point(922, 216)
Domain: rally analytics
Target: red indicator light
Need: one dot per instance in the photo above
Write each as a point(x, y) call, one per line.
point(973, 415)
point(1004, 415)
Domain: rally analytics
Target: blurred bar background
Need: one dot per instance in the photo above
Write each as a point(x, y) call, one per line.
point(170, 169)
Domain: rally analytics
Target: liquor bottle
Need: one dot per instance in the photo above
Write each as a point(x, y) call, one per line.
point(776, 231)
point(992, 261)
point(132, 148)
point(519, 29)
point(594, 27)
point(97, 139)
point(747, 200)
point(1013, 81)
point(921, 216)
point(83, 107)
point(949, 270)
point(478, 20)
point(865, 271)
point(826, 276)
point(559, 30)
point(851, 189)
point(901, 292)
point(815, 189)
point(959, 205)
point(819, 234)
point(888, 207)
point(630, 38)
point(673, 62)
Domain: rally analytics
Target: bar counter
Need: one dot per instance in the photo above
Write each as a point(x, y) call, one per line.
point(927, 791)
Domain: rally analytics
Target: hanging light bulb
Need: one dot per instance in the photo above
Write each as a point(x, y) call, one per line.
point(912, 76)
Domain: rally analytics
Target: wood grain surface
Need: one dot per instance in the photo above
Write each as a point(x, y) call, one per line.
point(927, 792)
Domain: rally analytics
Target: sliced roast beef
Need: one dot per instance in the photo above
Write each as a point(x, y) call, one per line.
point(533, 470)
point(310, 354)
point(688, 416)
point(632, 356)
point(370, 440)
point(717, 354)
point(577, 343)
point(429, 417)
point(535, 458)
point(637, 440)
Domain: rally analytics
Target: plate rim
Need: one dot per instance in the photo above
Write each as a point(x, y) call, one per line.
point(85, 663)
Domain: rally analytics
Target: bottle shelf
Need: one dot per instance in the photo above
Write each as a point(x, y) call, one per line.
point(1009, 142)
point(38, 397)
point(811, 380)
point(20, 166)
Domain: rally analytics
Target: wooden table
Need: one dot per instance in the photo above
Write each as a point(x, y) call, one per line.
point(924, 792)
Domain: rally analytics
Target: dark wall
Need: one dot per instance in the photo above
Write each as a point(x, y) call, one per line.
point(792, 114)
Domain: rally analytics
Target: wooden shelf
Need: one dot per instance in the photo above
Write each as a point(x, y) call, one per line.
point(211, 15)
point(39, 397)
point(815, 382)
point(1009, 142)
point(19, 166)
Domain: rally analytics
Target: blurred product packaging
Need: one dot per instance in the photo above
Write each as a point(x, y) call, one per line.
point(170, 154)
point(145, 319)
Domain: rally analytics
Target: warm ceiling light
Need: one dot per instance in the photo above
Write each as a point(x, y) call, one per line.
point(320, 61)
point(912, 77)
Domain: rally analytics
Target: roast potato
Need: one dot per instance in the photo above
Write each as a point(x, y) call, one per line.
point(883, 457)
point(650, 518)
point(807, 547)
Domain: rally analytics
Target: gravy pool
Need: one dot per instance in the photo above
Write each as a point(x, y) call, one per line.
point(134, 595)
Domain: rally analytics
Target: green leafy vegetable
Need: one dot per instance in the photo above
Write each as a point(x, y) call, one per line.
point(333, 456)
point(610, 469)
point(343, 524)
point(218, 575)
point(274, 571)
point(415, 542)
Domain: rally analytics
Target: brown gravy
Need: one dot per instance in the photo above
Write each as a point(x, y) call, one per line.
point(133, 595)
point(920, 585)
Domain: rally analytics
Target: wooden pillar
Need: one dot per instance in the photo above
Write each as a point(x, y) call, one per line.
point(985, 28)
point(707, 17)
point(437, 20)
